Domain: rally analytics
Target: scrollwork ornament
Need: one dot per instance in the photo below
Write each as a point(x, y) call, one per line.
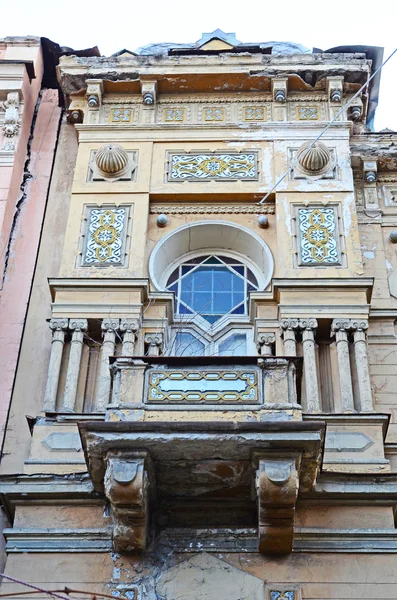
point(290, 324)
point(360, 325)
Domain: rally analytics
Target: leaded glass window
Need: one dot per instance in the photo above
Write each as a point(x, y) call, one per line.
point(212, 286)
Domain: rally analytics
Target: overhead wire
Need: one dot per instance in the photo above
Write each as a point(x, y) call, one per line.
point(338, 114)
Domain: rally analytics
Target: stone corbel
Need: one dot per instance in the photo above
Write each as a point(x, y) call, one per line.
point(75, 112)
point(11, 120)
point(279, 93)
point(129, 484)
point(370, 174)
point(94, 93)
point(335, 89)
point(277, 485)
point(356, 109)
point(149, 93)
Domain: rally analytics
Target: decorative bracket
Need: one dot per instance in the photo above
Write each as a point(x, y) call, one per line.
point(94, 93)
point(277, 485)
point(149, 93)
point(129, 483)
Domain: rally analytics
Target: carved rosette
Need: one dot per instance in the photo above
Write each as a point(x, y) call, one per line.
point(314, 160)
point(11, 120)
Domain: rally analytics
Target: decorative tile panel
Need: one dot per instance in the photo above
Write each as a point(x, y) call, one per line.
point(231, 166)
point(105, 236)
point(254, 113)
point(203, 386)
point(173, 115)
point(307, 113)
point(318, 236)
point(213, 114)
point(286, 595)
point(121, 115)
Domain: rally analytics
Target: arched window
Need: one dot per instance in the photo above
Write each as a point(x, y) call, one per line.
point(211, 267)
point(212, 286)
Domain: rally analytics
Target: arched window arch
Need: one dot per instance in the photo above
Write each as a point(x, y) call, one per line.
point(211, 267)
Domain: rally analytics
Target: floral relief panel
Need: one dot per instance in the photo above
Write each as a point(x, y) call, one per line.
point(318, 236)
point(105, 236)
point(231, 166)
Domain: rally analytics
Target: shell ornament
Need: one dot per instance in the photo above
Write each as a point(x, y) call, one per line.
point(111, 160)
point(314, 160)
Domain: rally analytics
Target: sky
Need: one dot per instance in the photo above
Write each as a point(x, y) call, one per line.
point(115, 25)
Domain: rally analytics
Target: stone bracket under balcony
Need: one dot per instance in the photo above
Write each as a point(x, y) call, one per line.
point(212, 474)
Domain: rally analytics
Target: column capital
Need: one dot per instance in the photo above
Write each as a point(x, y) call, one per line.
point(308, 324)
point(131, 325)
point(110, 324)
point(359, 325)
point(341, 325)
point(78, 324)
point(290, 324)
point(59, 324)
point(265, 339)
point(154, 341)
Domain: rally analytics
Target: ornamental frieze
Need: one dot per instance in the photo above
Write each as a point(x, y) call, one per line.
point(201, 167)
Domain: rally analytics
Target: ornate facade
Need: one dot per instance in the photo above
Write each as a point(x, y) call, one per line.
point(209, 353)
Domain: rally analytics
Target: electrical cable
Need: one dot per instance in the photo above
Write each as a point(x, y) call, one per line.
point(342, 110)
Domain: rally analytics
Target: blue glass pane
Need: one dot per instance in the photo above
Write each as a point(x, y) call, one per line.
point(251, 277)
point(239, 310)
point(239, 269)
point(202, 302)
point(235, 345)
point(184, 310)
point(222, 303)
point(250, 287)
point(173, 288)
point(212, 261)
point(173, 277)
point(188, 345)
point(186, 268)
point(238, 285)
point(211, 318)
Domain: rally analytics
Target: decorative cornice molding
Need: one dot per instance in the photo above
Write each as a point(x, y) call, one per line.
point(206, 209)
point(58, 540)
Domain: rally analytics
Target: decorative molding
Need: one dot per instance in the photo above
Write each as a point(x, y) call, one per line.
point(214, 166)
point(208, 209)
point(57, 540)
point(11, 121)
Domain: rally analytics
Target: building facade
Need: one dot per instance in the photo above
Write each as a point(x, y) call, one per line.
point(204, 399)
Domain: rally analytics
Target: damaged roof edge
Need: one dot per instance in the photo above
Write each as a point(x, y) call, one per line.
point(375, 54)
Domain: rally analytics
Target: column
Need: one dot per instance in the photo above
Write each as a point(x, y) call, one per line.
point(340, 328)
point(154, 343)
point(289, 327)
point(59, 327)
point(109, 328)
point(265, 343)
point(78, 326)
point(308, 327)
point(129, 329)
point(361, 356)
